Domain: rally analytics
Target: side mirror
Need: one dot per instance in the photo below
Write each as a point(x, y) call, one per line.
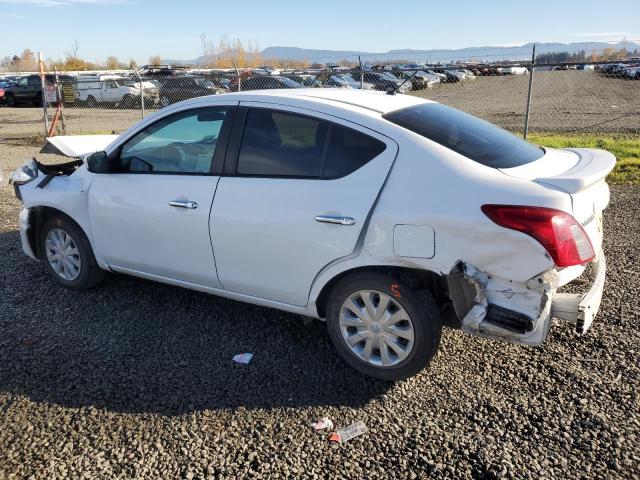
point(99, 162)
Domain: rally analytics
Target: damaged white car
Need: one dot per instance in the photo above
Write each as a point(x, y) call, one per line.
point(386, 215)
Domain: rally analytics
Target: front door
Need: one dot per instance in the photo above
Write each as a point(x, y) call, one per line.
point(297, 198)
point(152, 217)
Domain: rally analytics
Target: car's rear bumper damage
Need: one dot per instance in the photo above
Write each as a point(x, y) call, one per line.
point(521, 312)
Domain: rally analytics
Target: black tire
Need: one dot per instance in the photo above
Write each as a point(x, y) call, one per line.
point(10, 100)
point(91, 102)
point(419, 305)
point(90, 273)
point(128, 101)
point(165, 101)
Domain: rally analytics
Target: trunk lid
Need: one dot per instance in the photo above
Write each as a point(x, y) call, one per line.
point(579, 172)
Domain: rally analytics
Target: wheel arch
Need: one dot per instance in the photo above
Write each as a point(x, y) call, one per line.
point(413, 277)
point(38, 216)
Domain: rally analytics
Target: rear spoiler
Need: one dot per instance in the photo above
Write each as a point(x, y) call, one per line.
point(593, 166)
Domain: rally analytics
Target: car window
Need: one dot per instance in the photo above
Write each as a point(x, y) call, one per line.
point(22, 82)
point(348, 150)
point(281, 144)
point(181, 143)
point(467, 135)
point(34, 81)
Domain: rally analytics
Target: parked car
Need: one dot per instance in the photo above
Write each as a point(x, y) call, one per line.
point(28, 89)
point(265, 82)
point(305, 79)
point(3, 85)
point(176, 89)
point(384, 215)
point(383, 80)
point(96, 90)
point(353, 81)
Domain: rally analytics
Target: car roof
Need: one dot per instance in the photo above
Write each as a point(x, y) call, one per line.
point(376, 101)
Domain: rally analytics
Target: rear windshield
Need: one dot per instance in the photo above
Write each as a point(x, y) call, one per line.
point(467, 135)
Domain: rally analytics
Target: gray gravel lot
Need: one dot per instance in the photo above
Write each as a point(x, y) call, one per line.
point(134, 380)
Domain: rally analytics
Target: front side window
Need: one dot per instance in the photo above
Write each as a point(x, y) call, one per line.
point(467, 135)
point(22, 82)
point(181, 143)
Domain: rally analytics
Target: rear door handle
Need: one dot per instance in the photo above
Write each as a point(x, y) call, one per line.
point(335, 219)
point(183, 204)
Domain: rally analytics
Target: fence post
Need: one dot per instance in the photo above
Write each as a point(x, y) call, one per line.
point(361, 73)
point(526, 115)
point(44, 94)
point(238, 74)
point(141, 96)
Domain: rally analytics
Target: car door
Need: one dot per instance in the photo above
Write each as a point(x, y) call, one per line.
point(151, 218)
point(21, 91)
point(296, 195)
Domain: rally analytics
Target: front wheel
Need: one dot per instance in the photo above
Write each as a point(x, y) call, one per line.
point(67, 254)
point(165, 101)
point(382, 327)
point(10, 101)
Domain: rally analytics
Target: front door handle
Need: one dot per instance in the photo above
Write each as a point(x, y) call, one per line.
point(335, 219)
point(183, 204)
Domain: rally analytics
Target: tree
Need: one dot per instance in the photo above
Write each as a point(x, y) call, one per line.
point(133, 65)
point(155, 60)
point(112, 63)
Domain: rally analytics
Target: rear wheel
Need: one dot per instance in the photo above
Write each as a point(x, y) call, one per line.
point(10, 100)
point(382, 327)
point(67, 254)
point(91, 102)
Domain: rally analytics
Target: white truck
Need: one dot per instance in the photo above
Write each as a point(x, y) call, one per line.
point(115, 90)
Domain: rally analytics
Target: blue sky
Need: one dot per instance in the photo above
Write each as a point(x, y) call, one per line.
point(172, 29)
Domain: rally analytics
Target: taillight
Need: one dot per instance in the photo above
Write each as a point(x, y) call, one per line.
point(558, 232)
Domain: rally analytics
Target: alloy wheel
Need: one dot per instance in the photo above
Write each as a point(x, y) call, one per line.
point(63, 254)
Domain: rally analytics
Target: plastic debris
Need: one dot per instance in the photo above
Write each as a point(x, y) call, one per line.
point(243, 358)
point(324, 424)
point(343, 435)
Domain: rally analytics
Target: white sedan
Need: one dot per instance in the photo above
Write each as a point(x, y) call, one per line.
point(385, 215)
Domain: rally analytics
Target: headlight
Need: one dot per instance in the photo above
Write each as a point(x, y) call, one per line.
point(24, 173)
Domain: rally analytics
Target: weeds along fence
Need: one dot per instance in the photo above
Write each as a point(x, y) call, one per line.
point(589, 97)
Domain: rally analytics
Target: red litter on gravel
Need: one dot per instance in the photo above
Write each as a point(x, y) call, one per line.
point(343, 435)
point(30, 341)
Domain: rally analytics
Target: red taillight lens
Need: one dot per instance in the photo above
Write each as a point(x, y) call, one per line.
point(558, 232)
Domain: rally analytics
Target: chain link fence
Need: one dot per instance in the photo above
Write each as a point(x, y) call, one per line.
point(594, 97)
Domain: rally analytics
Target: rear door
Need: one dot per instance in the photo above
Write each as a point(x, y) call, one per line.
point(297, 193)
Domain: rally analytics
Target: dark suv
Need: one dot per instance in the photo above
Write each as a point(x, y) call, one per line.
point(28, 90)
point(175, 89)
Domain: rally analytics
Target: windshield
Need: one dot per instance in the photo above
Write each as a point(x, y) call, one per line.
point(467, 135)
point(204, 82)
point(289, 83)
point(390, 76)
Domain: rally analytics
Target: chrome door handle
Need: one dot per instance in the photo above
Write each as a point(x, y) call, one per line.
point(183, 204)
point(335, 219)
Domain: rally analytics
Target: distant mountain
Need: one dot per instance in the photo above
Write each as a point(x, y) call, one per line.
point(430, 56)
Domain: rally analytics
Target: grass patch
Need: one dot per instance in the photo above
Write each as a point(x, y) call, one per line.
point(626, 148)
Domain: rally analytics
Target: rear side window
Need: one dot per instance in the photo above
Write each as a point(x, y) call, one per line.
point(281, 144)
point(467, 135)
point(349, 150)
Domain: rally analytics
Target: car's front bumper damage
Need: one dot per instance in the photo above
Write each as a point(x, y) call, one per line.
point(521, 312)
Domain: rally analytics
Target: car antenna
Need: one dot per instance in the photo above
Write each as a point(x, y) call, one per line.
point(392, 91)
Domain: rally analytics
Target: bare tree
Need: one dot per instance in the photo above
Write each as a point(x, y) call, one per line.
point(133, 65)
point(155, 60)
point(112, 63)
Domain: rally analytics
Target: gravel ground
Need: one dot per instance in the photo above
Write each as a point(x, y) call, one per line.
point(562, 101)
point(134, 380)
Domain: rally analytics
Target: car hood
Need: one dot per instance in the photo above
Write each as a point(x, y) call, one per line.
point(77, 145)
